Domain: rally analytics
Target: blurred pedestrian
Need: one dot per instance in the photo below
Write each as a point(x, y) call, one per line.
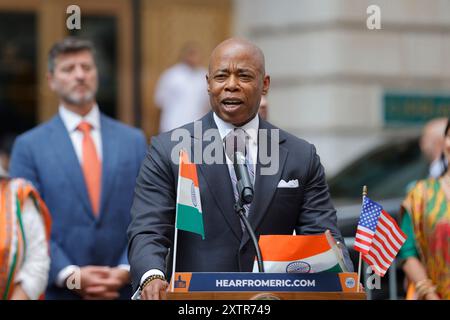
point(426, 222)
point(181, 93)
point(84, 164)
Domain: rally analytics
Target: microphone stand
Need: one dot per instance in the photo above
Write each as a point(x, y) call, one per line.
point(239, 209)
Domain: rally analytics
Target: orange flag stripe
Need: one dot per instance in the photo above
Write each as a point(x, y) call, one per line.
point(28, 191)
point(287, 247)
point(3, 224)
point(188, 170)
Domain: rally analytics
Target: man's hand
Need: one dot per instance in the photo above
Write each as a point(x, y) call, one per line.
point(155, 290)
point(117, 278)
point(121, 275)
point(99, 282)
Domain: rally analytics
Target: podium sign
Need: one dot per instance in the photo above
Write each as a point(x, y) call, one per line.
point(258, 282)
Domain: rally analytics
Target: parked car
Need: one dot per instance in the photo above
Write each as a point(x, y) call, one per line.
point(387, 171)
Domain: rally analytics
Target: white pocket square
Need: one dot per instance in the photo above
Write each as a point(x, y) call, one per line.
point(289, 184)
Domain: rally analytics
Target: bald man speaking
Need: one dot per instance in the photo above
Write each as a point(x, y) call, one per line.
point(292, 196)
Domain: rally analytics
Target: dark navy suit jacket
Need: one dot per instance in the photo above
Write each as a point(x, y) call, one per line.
point(45, 156)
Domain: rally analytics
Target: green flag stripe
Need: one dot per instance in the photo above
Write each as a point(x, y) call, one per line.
point(19, 218)
point(10, 274)
point(335, 269)
point(190, 219)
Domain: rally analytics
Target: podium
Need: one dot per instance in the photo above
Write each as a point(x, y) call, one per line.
point(264, 286)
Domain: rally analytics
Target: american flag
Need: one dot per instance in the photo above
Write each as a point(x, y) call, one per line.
point(378, 237)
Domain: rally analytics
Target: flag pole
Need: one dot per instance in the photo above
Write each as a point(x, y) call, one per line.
point(175, 240)
point(364, 193)
point(172, 279)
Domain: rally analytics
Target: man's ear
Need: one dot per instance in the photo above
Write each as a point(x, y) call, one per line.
point(50, 80)
point(207, 83)
point(266, 84)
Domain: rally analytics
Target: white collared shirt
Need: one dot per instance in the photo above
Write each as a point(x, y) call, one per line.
point(71, 121)
point(251, 128)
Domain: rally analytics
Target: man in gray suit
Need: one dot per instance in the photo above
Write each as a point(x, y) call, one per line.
point(294, 197)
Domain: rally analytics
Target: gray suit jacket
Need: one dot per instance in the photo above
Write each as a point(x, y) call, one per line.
point(306, 209)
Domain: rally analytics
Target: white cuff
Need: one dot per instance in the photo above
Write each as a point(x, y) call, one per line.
point(151, 272)
point(125, 267)
point(64, 274)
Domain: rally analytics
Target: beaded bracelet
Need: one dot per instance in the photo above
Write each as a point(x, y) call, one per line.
point(150, 279)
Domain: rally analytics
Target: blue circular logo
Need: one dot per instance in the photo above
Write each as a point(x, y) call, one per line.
point(193, 197)
point(350, 282)
point(298, 267)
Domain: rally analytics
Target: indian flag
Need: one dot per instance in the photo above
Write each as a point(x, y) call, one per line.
point(189, 215)
point(300, 254)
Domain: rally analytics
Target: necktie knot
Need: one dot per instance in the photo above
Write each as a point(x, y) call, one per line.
point(84, 127)
point(236, 140)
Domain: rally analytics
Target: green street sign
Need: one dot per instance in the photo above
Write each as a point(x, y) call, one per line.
point(402, 109)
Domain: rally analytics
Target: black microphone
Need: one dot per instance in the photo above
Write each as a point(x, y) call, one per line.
point(244, 187)
point(245, 190)
point(244, 183)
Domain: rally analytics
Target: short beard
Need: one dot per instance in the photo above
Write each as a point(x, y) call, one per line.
point(79, 101)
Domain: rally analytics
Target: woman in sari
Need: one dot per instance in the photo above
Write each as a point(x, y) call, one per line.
point(426, 222)
point(24, 241)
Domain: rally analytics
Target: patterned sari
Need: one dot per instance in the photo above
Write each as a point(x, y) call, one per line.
point(13, 194)
point(429, 211)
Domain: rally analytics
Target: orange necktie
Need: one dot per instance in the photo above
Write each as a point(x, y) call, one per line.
point(92, 167)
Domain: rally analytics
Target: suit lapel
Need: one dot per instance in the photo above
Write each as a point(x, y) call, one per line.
point(65, 153)
point(265, 185)
point(218, 182)
point(110, 150)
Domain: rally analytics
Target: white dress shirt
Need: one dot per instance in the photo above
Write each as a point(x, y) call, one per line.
point(71, 121)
